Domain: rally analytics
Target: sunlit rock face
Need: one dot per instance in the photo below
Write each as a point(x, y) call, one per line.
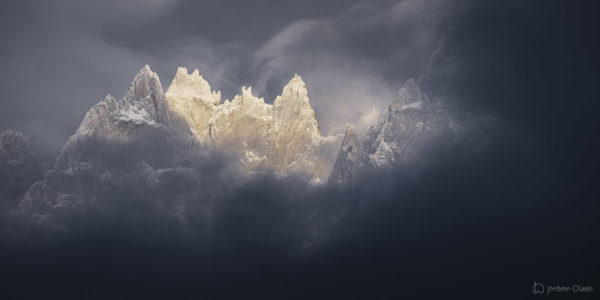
point(282, 137)
point(191, 97)
point(410, 127)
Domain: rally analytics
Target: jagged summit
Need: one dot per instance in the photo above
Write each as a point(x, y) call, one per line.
point(250, 105)
point(297, 85)
point(350, 160)
point(192, 86)
point(293, 93)
point(144, 84)
point(274, 136)
point(146, 93)
point(118, 144)
point(144, 104)
point(247, 94)
point(409, 126)
point(191, 98)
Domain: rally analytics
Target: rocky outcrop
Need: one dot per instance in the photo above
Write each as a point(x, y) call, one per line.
point(350, 161)
point(409, 127)
point(144, 105)
point(282, 137)
point(119, 147)
point(190, 98)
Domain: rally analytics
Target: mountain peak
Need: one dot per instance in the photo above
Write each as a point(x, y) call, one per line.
point(247, 91)
point(146, 93)
point(146, 69)
point(294, 94)
point(143, 104)
point(182, 72)
point(296, 84)
point(349, 161)
point(145, 83)
point(193, 87)
point(297, 77)
point(145, 74)
point(294, 104)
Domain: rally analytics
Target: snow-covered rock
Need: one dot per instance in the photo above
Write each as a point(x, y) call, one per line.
point(112, 150)
point(144, 105)
point(402, 133)
point(350, 161)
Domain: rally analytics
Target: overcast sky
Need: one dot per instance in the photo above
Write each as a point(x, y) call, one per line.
point(59, 58)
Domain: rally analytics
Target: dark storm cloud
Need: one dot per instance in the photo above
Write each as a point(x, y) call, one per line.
point(485, 220)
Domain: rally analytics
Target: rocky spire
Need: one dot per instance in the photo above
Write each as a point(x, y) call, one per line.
point(192, 87)
point(144, 104)
point(293, 93)
point(146, 93)
point(351, 158)
point(293, 107)
point(295, 122)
